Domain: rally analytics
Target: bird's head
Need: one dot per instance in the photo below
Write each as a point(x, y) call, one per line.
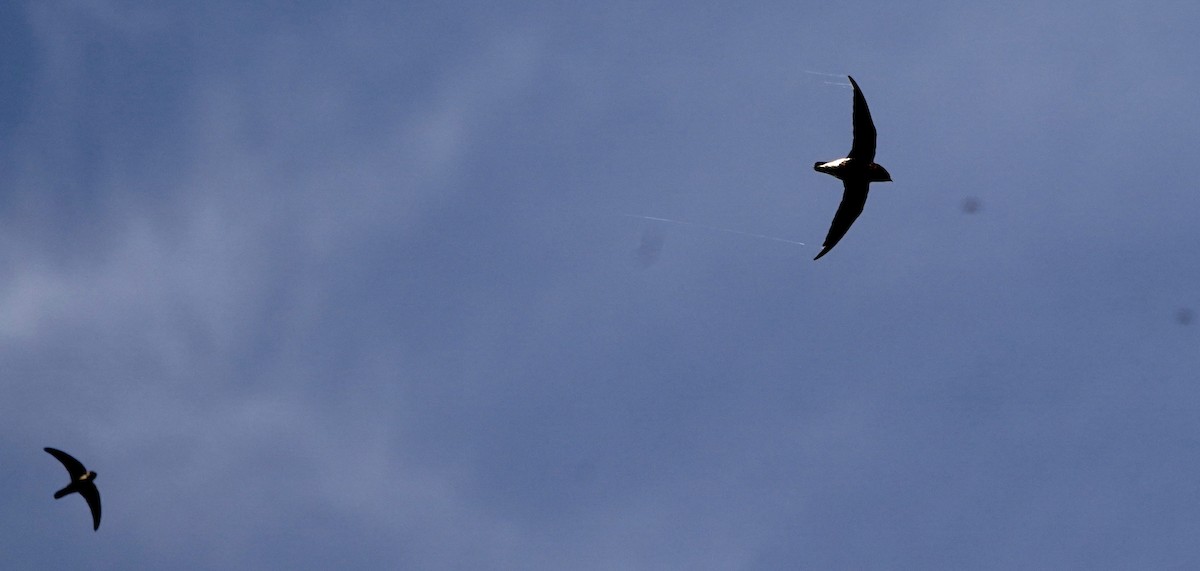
point(90, 476)
point(879, 174)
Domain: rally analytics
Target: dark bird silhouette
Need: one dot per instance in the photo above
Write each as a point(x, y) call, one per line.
point(856, 171)
point(82, 481)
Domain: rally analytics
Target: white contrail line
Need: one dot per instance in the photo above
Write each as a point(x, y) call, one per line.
point(707, 227)
point(837, 83)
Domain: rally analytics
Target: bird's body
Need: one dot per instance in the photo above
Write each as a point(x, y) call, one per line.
point(856, 171)
point(83, 482)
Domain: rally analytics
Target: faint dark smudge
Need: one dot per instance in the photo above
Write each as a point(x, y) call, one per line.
point(1184, 316)
point(647, 253)
point(971, 205)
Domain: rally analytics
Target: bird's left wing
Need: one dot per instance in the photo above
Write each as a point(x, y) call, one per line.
point(863, 147)
point(74, 468)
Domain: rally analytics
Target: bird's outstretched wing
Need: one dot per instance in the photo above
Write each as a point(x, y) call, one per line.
point(74, 468)
point(863, 147)
point(92, 495)
point(854, 197)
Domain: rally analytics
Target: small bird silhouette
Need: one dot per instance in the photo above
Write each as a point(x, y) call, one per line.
point(82, 481)
point(856, 171)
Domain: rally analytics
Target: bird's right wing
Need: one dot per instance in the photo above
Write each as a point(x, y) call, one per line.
point(92, 495)
point(74, 468)
point(854, 198)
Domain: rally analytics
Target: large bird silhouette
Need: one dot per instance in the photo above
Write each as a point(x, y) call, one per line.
point(82, 481)
point(856, 171)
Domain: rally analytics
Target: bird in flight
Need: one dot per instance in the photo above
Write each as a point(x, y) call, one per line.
point(856, 171)
point(82, 481)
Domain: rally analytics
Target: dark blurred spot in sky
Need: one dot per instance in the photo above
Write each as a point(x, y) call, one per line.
point(971, 205)
point(1185, 315)
point(647, 252)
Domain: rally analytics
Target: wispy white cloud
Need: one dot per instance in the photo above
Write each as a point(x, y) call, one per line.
point(199, 433)
point(331, 287)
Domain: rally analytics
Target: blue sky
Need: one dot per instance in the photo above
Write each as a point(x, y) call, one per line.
point(354, 285)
